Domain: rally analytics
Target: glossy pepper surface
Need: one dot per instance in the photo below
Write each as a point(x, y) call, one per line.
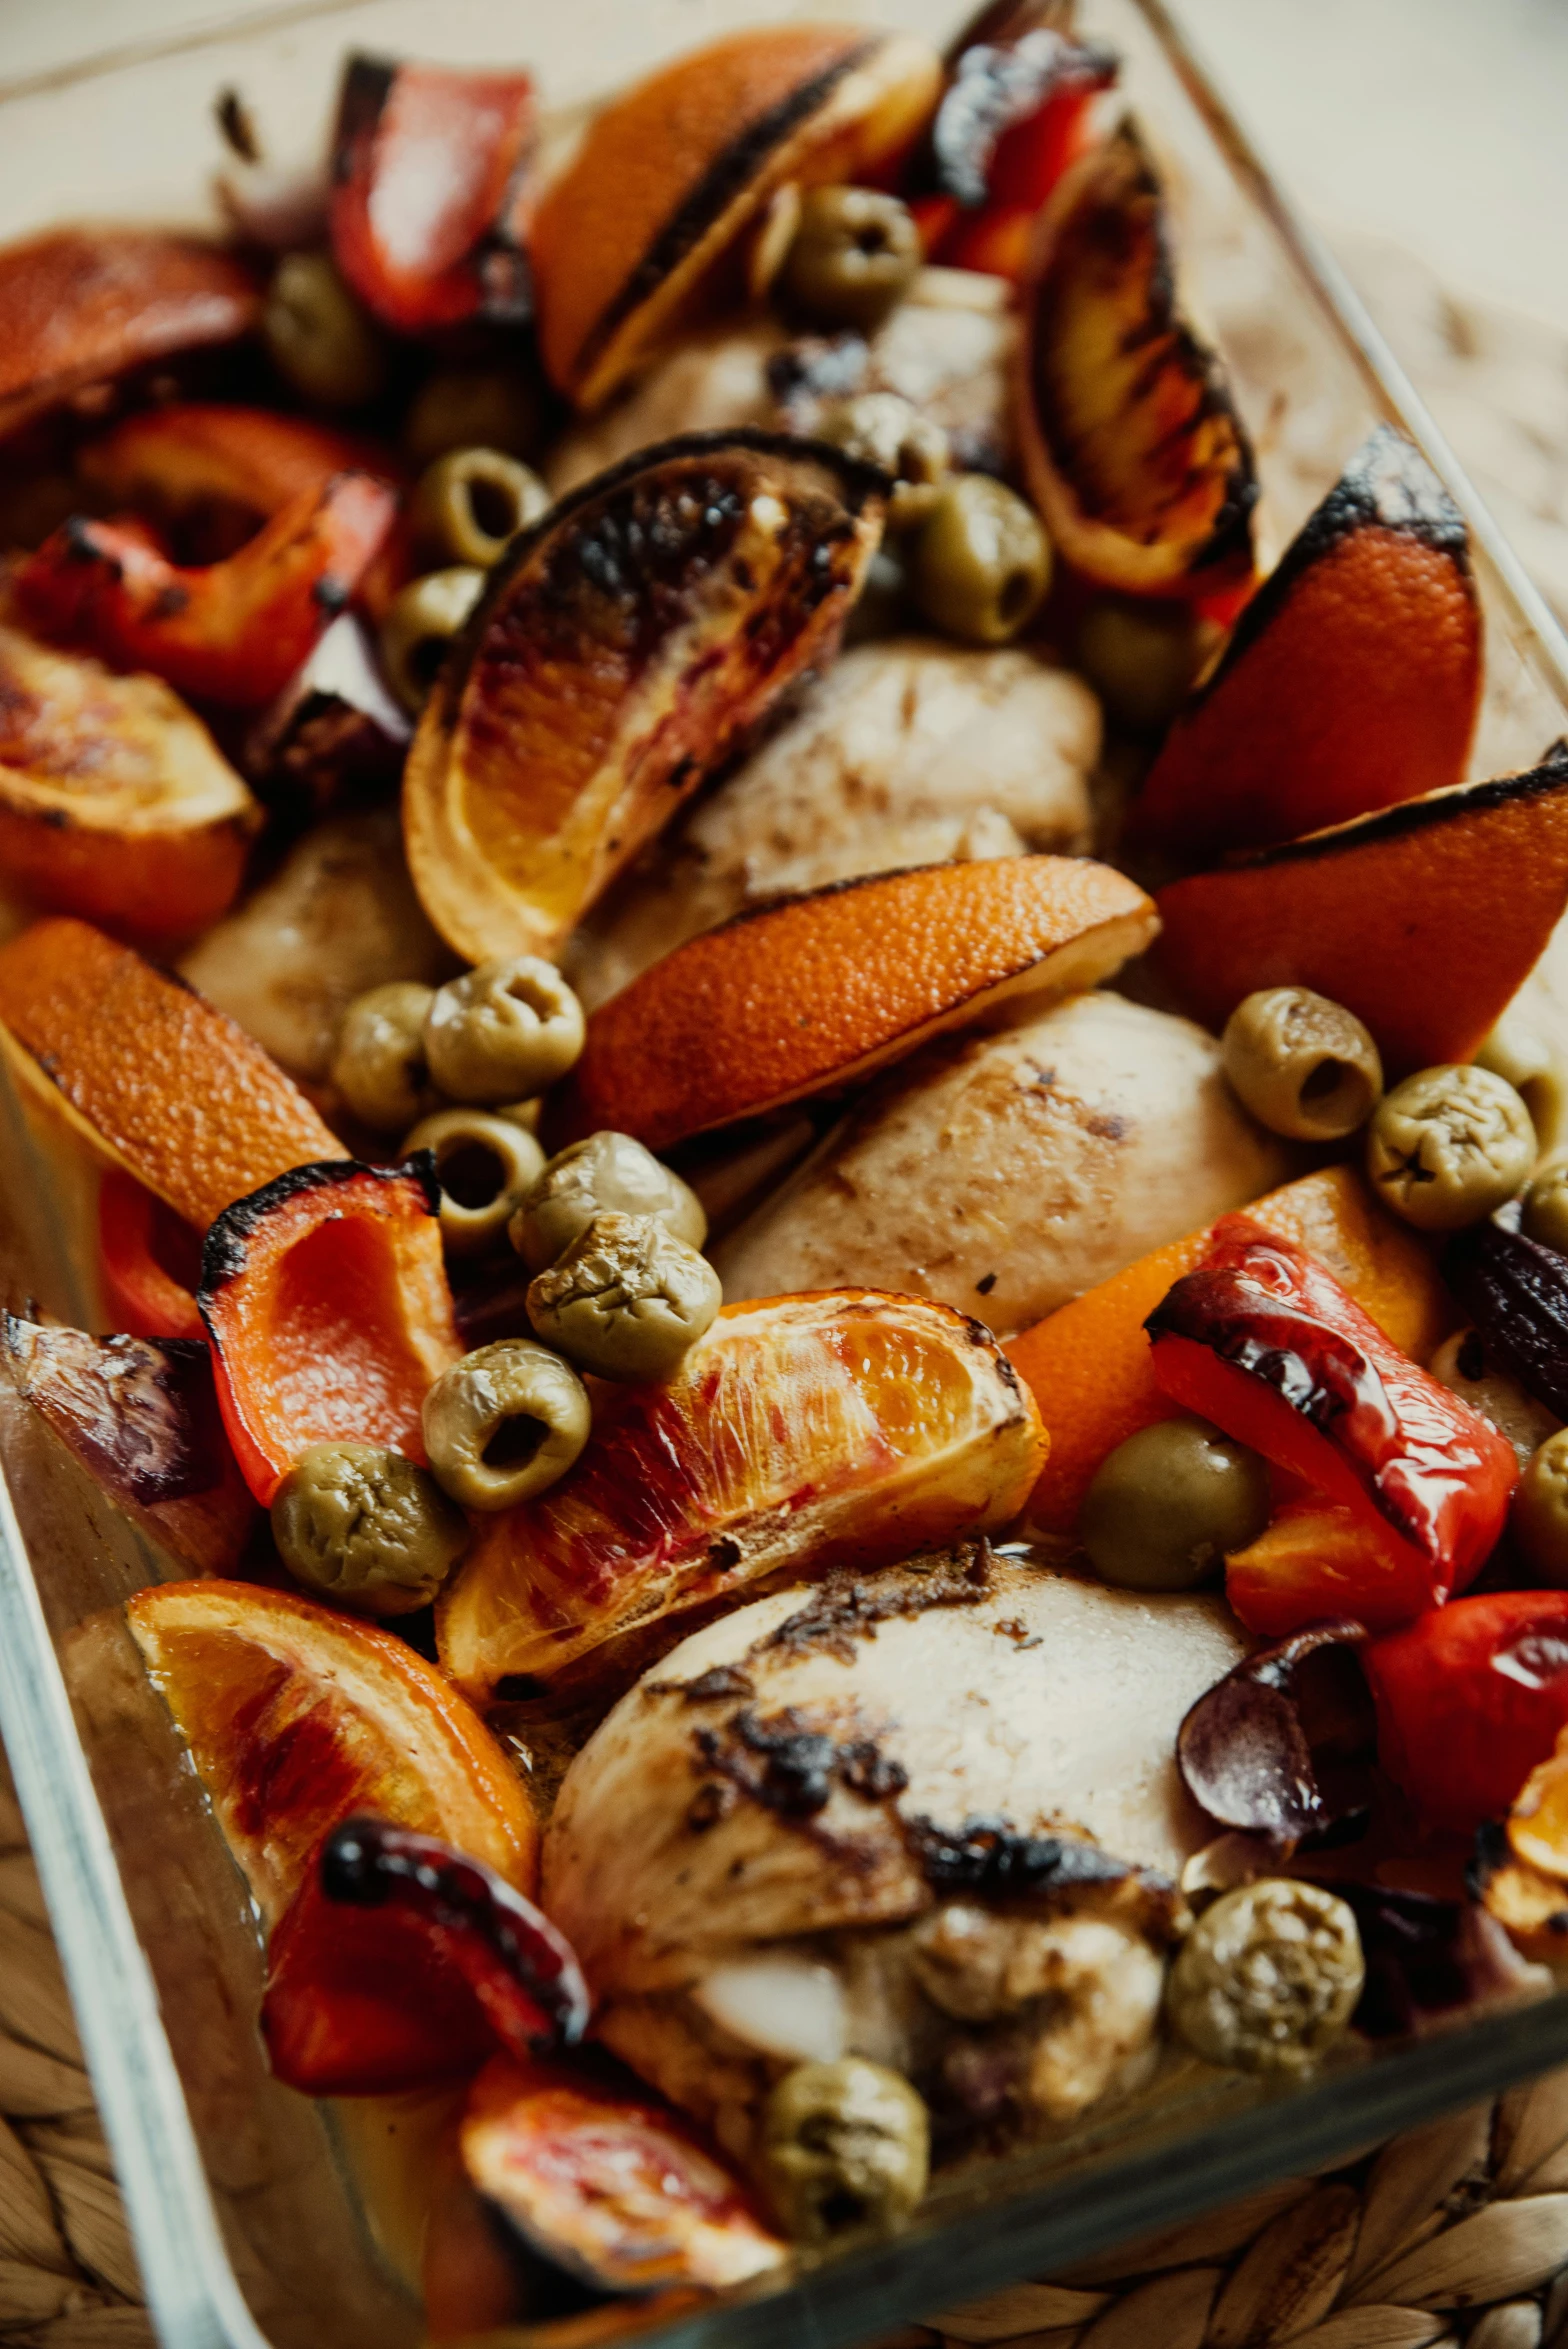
point(1470, 1699)
point(149, 1261)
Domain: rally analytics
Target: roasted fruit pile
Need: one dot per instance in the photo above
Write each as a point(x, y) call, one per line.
point(855, 1359)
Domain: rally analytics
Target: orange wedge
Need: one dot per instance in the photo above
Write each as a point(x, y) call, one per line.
point(114, 800)
point(628, 645)
point(1088, 1364)
point(814, 992)
point(628, 240)
point(296, 1718)
point(151, 1077)
point(1132, 448)
point(801, 1433)
point(1351, 682)
point(1424, 920)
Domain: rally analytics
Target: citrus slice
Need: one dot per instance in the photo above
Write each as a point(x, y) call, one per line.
point(1424, 919)
point(1132, 448)
point(669, 177)
point(813, 992)
point(1352, 679)
point(151, 1077)
point(115, 802)
point(627, 646)
point(804, 1432)
point(297, 1718)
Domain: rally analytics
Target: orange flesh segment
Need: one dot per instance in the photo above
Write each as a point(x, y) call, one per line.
point(802, 996)
point(164, 1086)
point(1538, 1822)
point(1089, 1366)
point(297, 1717)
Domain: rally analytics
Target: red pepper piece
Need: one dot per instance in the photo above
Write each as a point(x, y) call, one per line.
point(1317, 1558)
point(1469, 1700)
point(326, 1300)
point(1265, 1342)
point(149, 1260)
point(400, 1962)
point(232, 632)
point(431, 198)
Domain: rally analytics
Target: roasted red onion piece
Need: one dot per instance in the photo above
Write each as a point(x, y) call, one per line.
point(1245, 1751)
point(1425, 1958)
point(1516, 1293)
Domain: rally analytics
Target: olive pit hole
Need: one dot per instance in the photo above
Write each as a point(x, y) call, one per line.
point(1017, 594)
point(514, 1443)
point(424, 658)
point(842, 2211)
point(471, 1173)
point(492, 507)
point(1334, 1087)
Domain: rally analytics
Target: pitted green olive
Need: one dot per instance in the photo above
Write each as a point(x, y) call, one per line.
point(854, 255)
point(365, 1528)
point(980, 562)
point(607, 1173)
point(470, 504)
point(845, 2146)
point(627, 1300)
point(503, 1031)
point(1545, 1212)
point(1449, 1146)
point(1169, 1504)
point(505, 1422)
point(485, 1165)
point(1540, 1511)
point(317, 335)
point(474, 408)
point(1304, 1066)
point(379, 1066)
point(882, 429)
point(1268, 1977)
point(421, 621)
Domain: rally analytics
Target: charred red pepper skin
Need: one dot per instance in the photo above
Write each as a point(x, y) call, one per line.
point(1263, 1341)
point(1014, 118)
point(137, 1237)
point(1469, 1700)
point(401, 1962)
point(231, 633)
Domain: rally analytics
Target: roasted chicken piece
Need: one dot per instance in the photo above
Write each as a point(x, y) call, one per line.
point(930, 1817)
point(1007, 1172)
point(906, 752)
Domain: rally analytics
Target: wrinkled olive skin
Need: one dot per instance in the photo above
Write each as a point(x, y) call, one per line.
point(854, 255)
point(1449, 1146)
point(608, 1173)
point(980, 562)
point(846, 2146)
point(485, 1165)
point(1544, 1216)
point(318, 337)
point(1141, 660)
point(1540, 1511)
point(882, 429)
point(503, 1031)
point(627, 1301)
point(366, 1529)
point(1169, 1504)
point(467, 1409)
point(1304, 1066)
point(474, 407)
point(470, 504)
point(379, 1066)
point(1267, 1978)
point(420, 623)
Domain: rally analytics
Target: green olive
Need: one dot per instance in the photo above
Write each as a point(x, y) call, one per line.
point(505, 1422)
point(317, 335)
point(485, 1165)
point(627, 1301)
point(1545, 1213)
point(379, 1066)
point(365, 1528)
point(854, 255)
point(420, 623)
point(1268, 1977)
point(606, 1173)
point(474, 407)
point(1449, 1146)
point(881, 429)
point(1170, 1503)
point(1540, 1511)
point(503, 1031)
point(845, 2146)
point(980, 562)
point(1304, 1066)
point(1517, 1050)
point(1141, 659)
point(470, 504)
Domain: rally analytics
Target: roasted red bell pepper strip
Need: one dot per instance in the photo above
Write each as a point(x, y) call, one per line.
point(1470, 1699)
point(149, 1261)
point(431, 197)
point(232, 632)
point(1262, 1340)
point(1316, 1558)
point(220, 464)
point(326, 1299)
point(400, 1962)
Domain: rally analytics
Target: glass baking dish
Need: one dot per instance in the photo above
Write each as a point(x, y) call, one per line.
point(250, 2219)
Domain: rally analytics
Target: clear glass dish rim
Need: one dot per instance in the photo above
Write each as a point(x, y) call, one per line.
point(1073, 2215)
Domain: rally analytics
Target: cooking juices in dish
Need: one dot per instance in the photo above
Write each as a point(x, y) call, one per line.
point(831, 1234)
